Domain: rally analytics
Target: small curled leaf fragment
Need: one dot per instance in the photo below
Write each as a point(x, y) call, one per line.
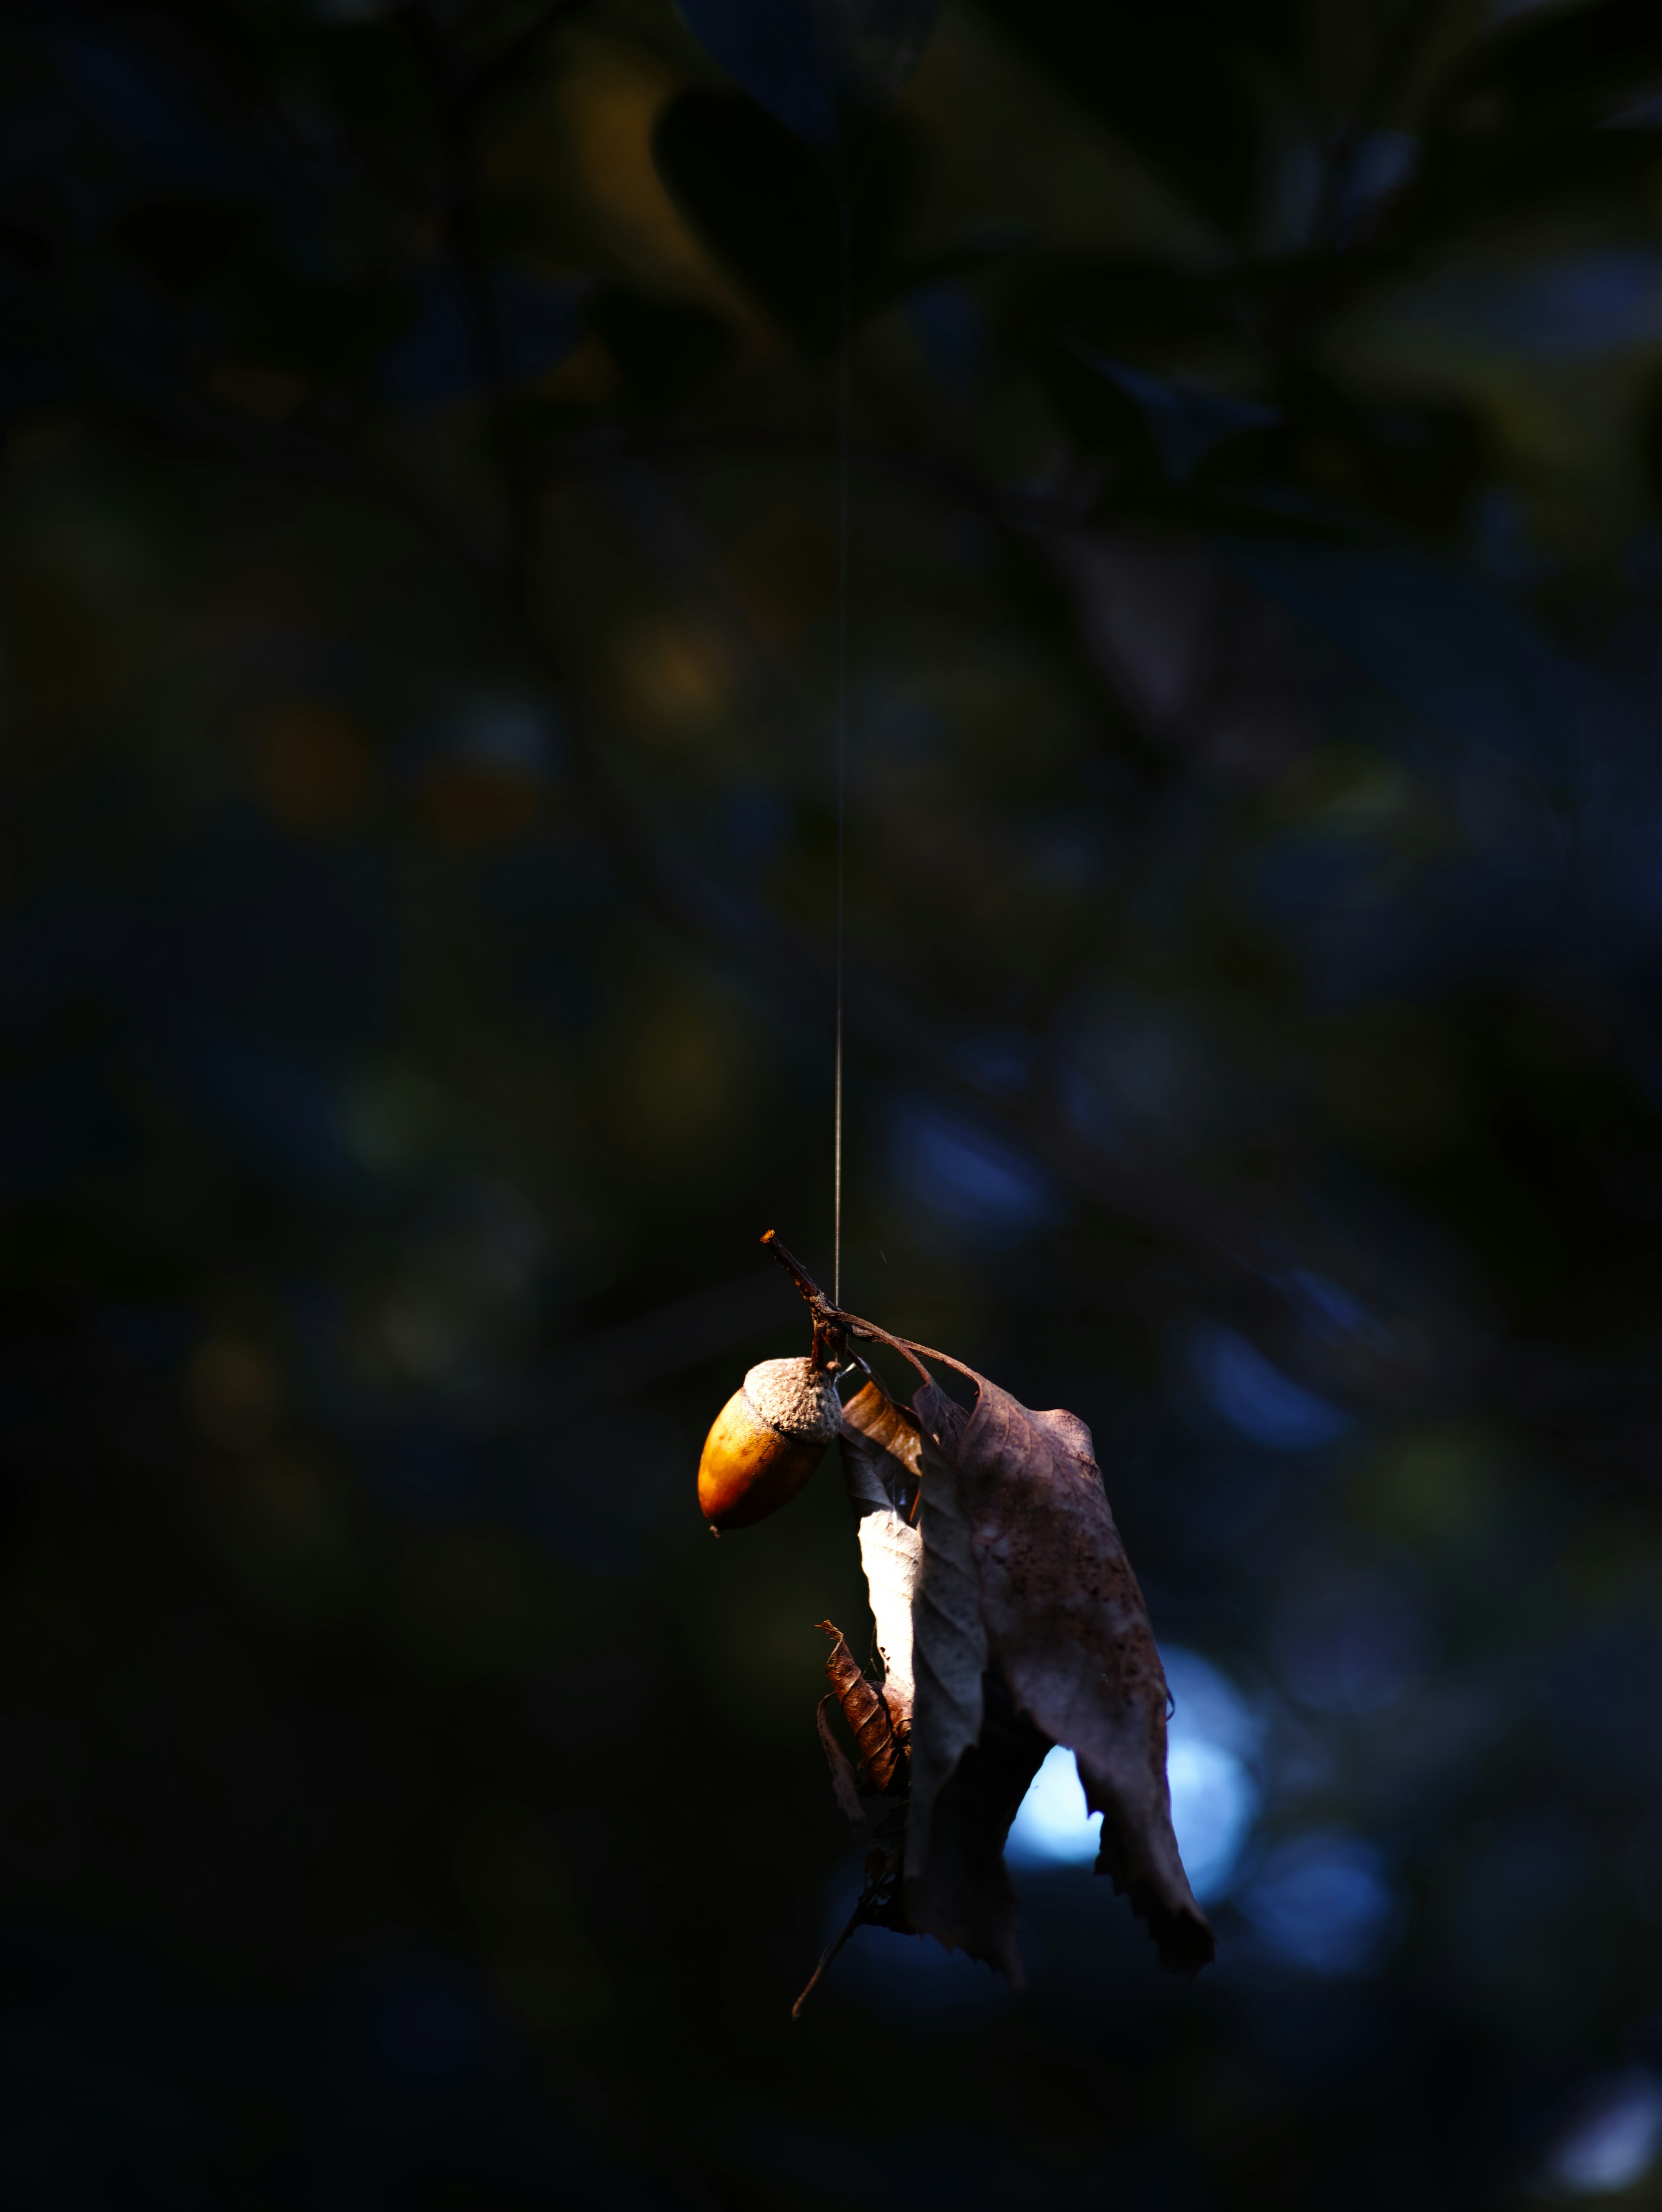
point(877, 1792)
point(882, 1449)
point(868, 1715)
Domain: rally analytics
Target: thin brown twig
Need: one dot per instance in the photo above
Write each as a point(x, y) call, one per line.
point(832, 1322)
point(857, 1919)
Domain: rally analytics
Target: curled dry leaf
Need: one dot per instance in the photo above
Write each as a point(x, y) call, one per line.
point(881, 1902)
point(882, 1452)
point(881, 1761)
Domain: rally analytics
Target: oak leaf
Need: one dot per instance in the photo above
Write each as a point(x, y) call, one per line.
point(1065, 1623)
point(882, 1763)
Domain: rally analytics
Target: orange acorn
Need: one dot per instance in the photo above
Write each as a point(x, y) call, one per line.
point(766, 1441)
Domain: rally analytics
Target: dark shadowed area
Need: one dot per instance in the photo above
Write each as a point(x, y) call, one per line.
point(418, 649)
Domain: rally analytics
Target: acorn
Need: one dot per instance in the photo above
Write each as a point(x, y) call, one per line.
point(766, 1441)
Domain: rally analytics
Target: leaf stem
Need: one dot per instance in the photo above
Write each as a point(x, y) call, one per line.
point(832, 1326)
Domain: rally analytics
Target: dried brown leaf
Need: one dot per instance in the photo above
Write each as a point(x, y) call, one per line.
point(882, 1445)
point(1066, 1620)
point(949, 1641)
point(882, 1764)
point(962, 1895)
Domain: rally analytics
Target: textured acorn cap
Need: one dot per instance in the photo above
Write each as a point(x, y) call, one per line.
point(795, 1397)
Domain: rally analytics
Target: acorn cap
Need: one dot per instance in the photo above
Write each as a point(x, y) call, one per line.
point(795, 1397)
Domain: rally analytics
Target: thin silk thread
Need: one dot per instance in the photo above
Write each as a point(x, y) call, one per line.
point(845, 392)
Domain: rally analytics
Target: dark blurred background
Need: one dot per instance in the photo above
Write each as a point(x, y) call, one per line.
point(417, 569)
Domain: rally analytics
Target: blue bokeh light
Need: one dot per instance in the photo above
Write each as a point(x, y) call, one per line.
point(498, 731)
point(1256, 1399)
point(1615, 2138)
point(1213, 1804)
point(1356, 1644)
point(1214, 1797)
point(1325, 1305)
point(1052, 1828)
point(969, 1180)
point(1322, 1902)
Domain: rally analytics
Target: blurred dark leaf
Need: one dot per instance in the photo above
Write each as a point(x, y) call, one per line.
point(767, 209)
point(1181, 98)
point(187, 240)
point(982, 246)
point(280, 320)
point(1418, 461)
point(1443, 639)
point(1468, 182)
point(1186, 421)
point(225, 33)
point(152, 104)
point(822, 67)
point(1136, 308)
point(664, 349)
point(1100, 416)
point(375, 78)
point(441, 355)
point(1551, 67)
